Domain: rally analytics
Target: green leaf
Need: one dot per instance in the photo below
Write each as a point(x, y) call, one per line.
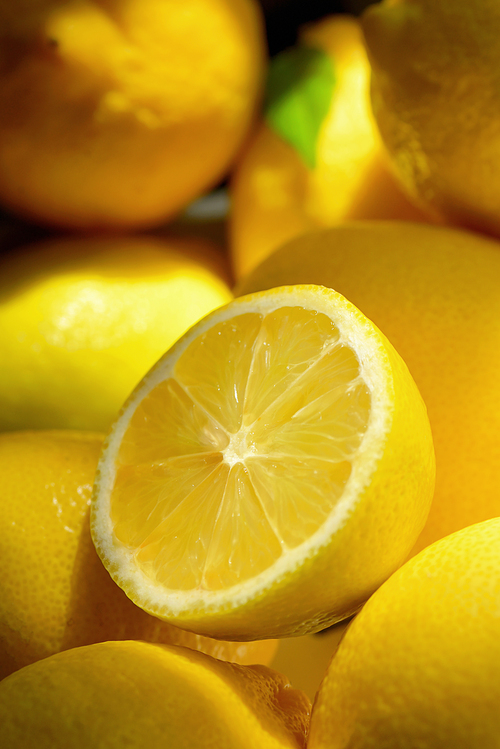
point(299, 91)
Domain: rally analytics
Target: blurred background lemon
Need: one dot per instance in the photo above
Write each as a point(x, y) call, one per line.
point(83, 319)
point(119, 113)
point(316, 157)
point(436, 99)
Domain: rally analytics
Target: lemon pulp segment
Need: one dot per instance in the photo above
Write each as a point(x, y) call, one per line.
point(242, 452)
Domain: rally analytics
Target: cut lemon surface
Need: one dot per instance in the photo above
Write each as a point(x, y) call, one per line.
point(269, 472)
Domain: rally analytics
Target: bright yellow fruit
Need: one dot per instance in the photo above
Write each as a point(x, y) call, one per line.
point(270, 471)
point(54, 592)
point(136, 694)
point(118, 113)
point(293, 177)
point(83, 319)
point(419, 665)
point(435, 293)
point(436, 98)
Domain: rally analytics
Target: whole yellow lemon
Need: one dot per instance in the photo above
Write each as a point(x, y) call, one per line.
point(316, 157)
point(54, 592)
point(135, 694)
point(435, 293)
point(419, 665)
point(119, 113)
point(436, 99)
point(83, 319)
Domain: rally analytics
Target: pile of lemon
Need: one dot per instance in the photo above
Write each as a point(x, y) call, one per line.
point(249, 454)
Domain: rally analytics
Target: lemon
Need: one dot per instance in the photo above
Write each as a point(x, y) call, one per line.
point(435, 94)
point(136, 694)
point(117, 114)
point(435, 293)
point(268, 473)
point(316, 157)
point(419, 665)
point(54, 592)
point(83, 319)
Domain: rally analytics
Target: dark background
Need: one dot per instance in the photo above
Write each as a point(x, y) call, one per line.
point(283, 17)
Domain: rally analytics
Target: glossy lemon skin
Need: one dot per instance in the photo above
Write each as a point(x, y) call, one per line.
point(419, 665)
point(83, 319)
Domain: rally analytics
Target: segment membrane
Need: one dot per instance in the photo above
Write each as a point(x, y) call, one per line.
point(297, 496)
point(289, 341)
point(175, 553)
point(320, 386)
point(243, 453)
point(168, 423)
point(147, 494)
point(243, 543)
point(222, 356)
point(331, 429)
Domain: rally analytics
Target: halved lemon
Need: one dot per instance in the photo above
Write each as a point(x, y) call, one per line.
point(270, 471)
